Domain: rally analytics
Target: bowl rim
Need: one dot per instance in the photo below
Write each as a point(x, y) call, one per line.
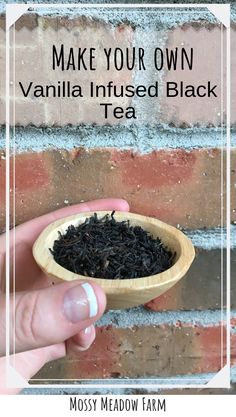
point(45, 259)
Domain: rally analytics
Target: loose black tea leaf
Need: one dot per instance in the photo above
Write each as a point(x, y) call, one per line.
point(106, 248)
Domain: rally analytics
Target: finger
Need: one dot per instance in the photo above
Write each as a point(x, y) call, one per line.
point(27, 364)
point(30, 230)
point(26, 234)
point(82, 340)
point(54, 314)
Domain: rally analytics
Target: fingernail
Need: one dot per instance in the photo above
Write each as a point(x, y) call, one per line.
point(80, 303)
point(88, 330)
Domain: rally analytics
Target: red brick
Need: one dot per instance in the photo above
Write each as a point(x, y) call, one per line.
point(29, 21)
point(33, 62)
point(161, 351)
point(192, 292)
point(183, 200)
point(206, 43)
point(210, 341)
point(2, 23)
point(33, 185)
point(156, 169)
point(190, 199)
point(31, 172)
point(34, 34)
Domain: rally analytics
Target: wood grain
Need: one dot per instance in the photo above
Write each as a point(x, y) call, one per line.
point(126, 292)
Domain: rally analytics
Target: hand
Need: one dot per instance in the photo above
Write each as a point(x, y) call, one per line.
point(49, 320)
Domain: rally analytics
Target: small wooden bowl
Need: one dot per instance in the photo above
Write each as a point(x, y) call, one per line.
point(126, 292)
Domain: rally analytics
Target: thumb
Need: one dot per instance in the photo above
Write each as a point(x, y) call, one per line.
point(53, 315)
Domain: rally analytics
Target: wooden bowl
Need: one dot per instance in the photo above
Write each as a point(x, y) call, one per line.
point(126, 292)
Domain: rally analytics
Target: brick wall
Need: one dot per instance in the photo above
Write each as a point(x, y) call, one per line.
point(167, 164)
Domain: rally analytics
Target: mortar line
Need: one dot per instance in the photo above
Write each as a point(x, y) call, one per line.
point(142, 139)
point(139, 316)
point(109, 13)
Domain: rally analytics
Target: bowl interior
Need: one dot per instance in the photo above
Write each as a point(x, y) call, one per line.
point(172, 238)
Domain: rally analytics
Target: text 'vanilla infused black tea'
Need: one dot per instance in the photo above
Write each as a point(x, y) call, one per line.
point(106, 248)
